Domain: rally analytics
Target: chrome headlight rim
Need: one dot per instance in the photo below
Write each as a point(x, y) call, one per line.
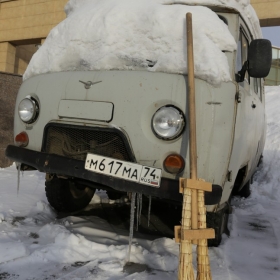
point(34, 107)
point(181, 127)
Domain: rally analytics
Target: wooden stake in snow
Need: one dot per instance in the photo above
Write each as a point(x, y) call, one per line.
point(193, 229)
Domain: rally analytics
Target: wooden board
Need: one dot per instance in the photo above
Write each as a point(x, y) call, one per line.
point(194, 184)
point(193, 234)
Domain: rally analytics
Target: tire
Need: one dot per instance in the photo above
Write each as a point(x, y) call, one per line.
point(114, 195)
point(65, 196)
point(246, 190)
point(218, 221)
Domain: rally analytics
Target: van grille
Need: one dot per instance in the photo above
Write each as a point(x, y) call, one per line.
point(76, 141)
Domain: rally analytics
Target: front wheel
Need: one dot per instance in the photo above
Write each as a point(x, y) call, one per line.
point(67, 196)
point(219, 222)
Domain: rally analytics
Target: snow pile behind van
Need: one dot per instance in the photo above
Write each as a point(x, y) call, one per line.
point(137, 35)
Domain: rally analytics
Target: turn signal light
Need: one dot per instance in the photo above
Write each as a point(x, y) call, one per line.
point(21, 140)
point(174, 164)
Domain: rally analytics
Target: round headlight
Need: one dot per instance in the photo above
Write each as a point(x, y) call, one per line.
point(28, 110)
point(168, 122)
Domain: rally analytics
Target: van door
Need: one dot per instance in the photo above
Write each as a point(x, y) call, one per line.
point(258, 105)
point(250, 118)
point(248, 107)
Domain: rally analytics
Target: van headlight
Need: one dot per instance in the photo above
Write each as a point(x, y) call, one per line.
point(168, 122)
point(28, 109)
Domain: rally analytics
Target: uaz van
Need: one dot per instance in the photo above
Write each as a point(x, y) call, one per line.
point(127, 131)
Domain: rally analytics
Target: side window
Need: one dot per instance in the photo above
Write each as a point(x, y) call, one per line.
point(242, 52)
point(245, 46)
point(241, 58)
point(238, 64)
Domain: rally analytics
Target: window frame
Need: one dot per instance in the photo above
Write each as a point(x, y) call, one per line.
point(241, 54)
point(254, 84)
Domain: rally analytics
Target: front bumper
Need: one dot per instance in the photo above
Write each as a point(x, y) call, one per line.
point(55, 164)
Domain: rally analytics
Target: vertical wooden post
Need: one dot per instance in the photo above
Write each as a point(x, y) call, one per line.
point(189, 211)
point(194, 211)
point(192, 118)
point(198, 214)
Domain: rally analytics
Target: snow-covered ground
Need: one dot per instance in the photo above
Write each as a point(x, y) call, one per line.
point(36, 245)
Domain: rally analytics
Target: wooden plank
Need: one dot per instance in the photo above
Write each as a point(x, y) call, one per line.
point(199, 185)
point(194, 184)
point(190, 234)
point(193, 234)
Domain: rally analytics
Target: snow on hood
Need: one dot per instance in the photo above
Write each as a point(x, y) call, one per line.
point(138, 35)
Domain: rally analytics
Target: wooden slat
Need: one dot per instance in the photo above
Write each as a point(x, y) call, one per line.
point(193, 234)
point(199, 185)
point(195, 185)
point(207, 233)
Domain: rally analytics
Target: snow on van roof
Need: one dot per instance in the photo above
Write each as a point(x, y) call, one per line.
point(242, 6)
point(137, 35)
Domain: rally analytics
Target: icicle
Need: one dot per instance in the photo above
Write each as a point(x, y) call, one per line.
point(149, 210)
point(18, 165)
point(132, 210)
point(138, 210)
point(140, 207)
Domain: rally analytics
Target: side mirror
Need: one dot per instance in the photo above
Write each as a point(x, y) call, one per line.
point(259, 58)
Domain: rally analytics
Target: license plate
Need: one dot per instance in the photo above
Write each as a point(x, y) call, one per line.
point(125, 170)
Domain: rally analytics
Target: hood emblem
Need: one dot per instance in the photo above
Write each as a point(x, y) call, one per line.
point(88, 84)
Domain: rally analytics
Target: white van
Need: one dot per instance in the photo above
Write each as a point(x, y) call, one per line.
point(127, 131)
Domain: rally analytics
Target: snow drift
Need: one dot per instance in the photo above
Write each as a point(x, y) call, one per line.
point(140, 35)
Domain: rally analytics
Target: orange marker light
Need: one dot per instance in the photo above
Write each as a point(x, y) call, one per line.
point(21, 140)
point(174, 164)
